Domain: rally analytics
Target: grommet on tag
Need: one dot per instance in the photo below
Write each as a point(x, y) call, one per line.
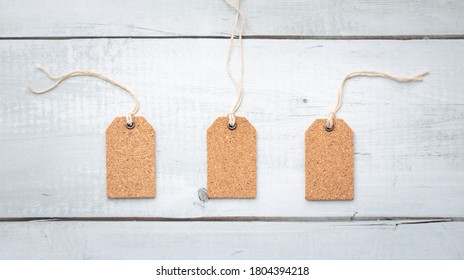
point(232, 127)
point(129, 121)
point(130, 126)
point(329, 129)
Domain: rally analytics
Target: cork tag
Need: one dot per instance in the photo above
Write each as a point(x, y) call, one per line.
point(329, 161)
point(130, 159)
point(231, 159)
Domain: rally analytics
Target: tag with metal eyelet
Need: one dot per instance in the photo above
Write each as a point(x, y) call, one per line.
point(130, 159)
point(130, 126)
point(329, 161)
point(130, 145)
point(231, 159)
point(231, 140)
point(232, 127)
point(329, 129)
point(330, 148)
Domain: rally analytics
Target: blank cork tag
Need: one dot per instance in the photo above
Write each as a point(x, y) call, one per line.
point(329, 161)
point(130, 159)
point(231, 159)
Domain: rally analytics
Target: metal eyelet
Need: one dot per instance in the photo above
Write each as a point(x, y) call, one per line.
point(130, 126)
point(232, 127)
point(329, 129)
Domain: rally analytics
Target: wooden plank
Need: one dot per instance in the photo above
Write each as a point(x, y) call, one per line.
point(154, 240)
point(409, 138)
point(54, 18)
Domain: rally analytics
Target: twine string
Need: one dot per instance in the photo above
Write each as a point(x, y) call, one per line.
point(333, 113)
point(59, 79)
point(238, 82)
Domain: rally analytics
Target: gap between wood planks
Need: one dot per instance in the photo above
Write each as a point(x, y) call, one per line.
point(256, 37)
point(390, 220)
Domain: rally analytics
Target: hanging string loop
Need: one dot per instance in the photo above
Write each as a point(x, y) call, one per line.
point(332, 115)
point(238, 82)
point(59, 79)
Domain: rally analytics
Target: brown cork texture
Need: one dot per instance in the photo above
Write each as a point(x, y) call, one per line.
point(329, 161)
point(130, 159)
point(231, 159)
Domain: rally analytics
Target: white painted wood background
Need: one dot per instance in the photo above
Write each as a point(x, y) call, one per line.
point(409, 138)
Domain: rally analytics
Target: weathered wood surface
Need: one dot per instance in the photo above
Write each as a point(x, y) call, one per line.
point(409, 138)
point(173, 18)
point(236, 240)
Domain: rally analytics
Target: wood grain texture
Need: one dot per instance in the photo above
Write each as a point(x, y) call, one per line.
point(154, 240)
point(173, 18)
point(409, 138)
